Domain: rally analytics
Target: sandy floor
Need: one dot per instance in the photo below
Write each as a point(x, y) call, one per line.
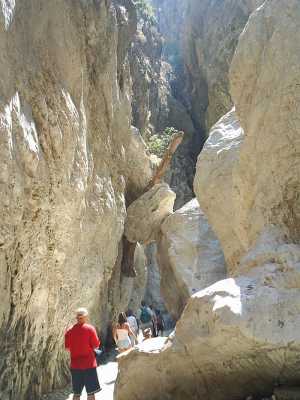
point(107, 375)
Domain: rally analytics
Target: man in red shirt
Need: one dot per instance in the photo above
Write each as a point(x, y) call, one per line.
point(81, 340)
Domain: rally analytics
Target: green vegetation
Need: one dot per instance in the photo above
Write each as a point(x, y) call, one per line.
point(145, 11)
point(159, 143)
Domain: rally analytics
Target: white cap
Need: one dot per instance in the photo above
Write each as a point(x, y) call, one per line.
point(82, 311)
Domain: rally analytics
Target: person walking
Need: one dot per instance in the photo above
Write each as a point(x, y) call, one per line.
point(80, 340)
point(154, 321)
point(160, 323)
point(144, 317)
point(122, 333)
point(133, 325)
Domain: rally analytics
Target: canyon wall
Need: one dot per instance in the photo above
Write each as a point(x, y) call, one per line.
point(69, 161)
point(210, 34)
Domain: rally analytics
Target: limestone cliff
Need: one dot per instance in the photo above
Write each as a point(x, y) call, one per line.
point(210, 35)
point(69, 160)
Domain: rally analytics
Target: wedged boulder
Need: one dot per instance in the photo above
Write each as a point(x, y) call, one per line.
point(189, 255)
point(146, 214)
point(213, 183)
point(235, 338)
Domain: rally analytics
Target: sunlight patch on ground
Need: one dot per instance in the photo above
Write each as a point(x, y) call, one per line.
point(107, 374)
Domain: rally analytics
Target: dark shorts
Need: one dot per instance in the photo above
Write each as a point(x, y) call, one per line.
point(87, 378)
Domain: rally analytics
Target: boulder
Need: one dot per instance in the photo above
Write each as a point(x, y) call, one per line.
point(189, 255)
point(235, 338)
point(213, 183)
point(146, 214)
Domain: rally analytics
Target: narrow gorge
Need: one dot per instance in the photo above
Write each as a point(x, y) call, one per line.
point(92, 93)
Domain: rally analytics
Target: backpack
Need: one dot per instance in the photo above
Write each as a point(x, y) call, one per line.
point(145, 315)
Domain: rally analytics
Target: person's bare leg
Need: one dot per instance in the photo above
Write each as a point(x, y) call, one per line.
point(76, 397)
point(91, 397)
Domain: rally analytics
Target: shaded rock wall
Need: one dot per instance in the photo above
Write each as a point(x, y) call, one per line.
point(153, 293)
point(66, 166)
point(209, 39)
point(155, 105)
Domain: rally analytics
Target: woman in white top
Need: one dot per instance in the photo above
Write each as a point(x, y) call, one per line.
point(133, 324)
point(122, 333)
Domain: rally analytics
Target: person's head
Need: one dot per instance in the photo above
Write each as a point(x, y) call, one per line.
point(151, 306)
point(122, 318)
point(129, 313)
point(143, 303)
point(157, 312)
point(82, 315)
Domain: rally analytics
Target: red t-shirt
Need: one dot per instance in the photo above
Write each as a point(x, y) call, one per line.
point(81, 340)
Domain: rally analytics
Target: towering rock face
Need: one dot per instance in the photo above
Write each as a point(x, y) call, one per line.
point(66, 167)
point(237, 338)
point(145, 68)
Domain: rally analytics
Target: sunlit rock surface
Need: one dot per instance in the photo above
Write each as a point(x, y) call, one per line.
point(190, 256)
point(213, 182)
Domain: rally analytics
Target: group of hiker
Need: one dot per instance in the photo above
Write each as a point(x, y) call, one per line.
point(148, 320)
point(82, 341)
